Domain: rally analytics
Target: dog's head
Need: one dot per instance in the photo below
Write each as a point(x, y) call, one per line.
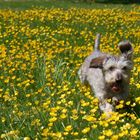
point(116, 69)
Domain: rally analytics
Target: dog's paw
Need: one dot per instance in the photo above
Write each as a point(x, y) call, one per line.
point(115, 100)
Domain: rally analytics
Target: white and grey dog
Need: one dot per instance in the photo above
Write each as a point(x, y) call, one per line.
point(108, 75)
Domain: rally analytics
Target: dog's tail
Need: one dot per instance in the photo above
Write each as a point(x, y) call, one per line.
point(97, 42)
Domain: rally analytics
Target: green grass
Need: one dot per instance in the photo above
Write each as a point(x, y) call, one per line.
point(26, 4)
point(41, 50)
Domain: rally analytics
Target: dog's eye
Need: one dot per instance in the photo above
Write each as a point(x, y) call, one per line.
point(111, 68)
point(124, 68)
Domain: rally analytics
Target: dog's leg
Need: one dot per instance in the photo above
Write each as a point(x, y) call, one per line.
point(82, 73)
point(106, 107)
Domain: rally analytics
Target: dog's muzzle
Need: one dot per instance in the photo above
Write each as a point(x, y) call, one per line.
point(117, 85)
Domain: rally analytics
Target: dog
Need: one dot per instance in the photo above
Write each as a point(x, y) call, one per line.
point(108, 75)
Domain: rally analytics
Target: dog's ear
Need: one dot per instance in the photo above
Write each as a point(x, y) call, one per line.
point(97, 62)
point(126, 49)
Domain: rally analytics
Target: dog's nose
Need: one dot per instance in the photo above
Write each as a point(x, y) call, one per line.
point(119, 78)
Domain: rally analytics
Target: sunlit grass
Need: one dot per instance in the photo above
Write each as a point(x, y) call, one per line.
point(41, 51)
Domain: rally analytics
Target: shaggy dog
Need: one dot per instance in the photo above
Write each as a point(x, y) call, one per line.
point(108, 75)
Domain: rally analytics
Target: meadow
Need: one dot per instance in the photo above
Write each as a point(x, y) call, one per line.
point(41, 50)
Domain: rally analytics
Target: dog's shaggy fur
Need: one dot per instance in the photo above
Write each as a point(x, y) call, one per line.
point(108, 75)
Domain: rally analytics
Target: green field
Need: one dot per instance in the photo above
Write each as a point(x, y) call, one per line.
point(42, 46)
point(26, 4)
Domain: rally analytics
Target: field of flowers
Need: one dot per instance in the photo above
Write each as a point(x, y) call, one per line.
point(41, 51)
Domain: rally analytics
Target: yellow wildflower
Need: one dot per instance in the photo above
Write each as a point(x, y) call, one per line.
point(26, 138)
point(115, 137)
point(86, 130)
point(101, 137)
point(68, 128)
point(134, 132)
point(108, 132)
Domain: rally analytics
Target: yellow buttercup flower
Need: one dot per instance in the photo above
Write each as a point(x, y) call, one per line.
point(26, 138)
point(115, 137)
point(134, 132)
point(89, 118)
point(108, 132)
point(86, 130)
point(53, 119)
point(101, 137)
point(68, 128)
